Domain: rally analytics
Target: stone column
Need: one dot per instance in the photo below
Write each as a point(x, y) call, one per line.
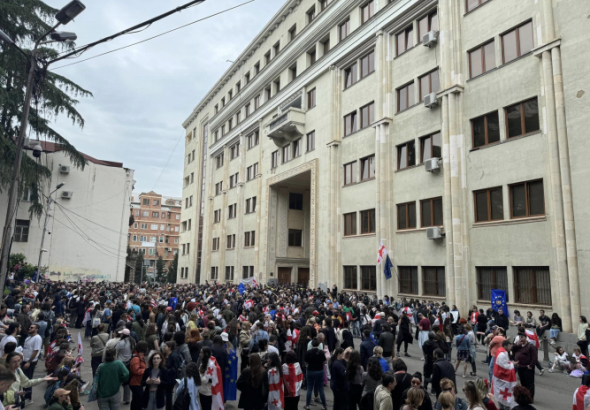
point(208, 233)
point(224, 214)
point(335, 182)
point(240, 205)
point(259, 227)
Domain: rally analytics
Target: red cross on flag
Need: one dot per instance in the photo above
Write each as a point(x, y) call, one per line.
point(581, 398)
point(276, 392)
point(214, 373)
point(248, 304)
point(293, 379)
point(381, 252)
point(503, 379)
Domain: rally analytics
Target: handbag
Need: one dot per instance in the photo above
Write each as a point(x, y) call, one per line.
point(95, 322)
point(93, 396)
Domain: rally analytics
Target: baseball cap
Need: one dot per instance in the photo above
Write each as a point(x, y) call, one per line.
point(124, 332)
point(169, 309)
point(224, 337)
point(61, 392)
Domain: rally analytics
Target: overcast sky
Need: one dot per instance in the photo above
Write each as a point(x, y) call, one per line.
point(143, 94)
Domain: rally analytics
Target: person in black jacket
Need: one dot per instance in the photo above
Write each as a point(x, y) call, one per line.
point(173, 365)
point(330, 334)
point(366, 348)
point(417, 384)
point(152, 382)
point(387, 342)
point(405, 335)
point(253, 383)
point(428, 349)
point(338, 382)
point(403, 382)
point(441, 369)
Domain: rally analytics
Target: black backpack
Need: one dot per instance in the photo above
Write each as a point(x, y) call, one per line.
point(183, 399)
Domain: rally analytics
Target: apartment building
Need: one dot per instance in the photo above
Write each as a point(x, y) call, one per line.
point(450, 131)
point(155, 230)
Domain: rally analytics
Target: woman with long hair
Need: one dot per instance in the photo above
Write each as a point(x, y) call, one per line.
point(154, 395)
point(205, 387)
point(354, 375)
point(253, 383)
point(555, 329)
point(301, 349)
point(152, 339)
point(173, 364)
point(291, 371)
point(486, 398)
point(193, 381)
point(405, 334)
point(136, 370)
point(414, 400)
point(15, 395)
point(371, 380)
point(339, 382)
point(192, 342)
point(125, 348)
point(473, 397)
point(276, 393)
point(582, 339)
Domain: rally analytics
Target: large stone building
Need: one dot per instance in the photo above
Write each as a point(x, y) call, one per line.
point(451, 131)
point(88, 222)
point(156, 228)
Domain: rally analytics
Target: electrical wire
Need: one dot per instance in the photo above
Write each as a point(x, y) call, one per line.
point(92, 222)
point(169, 157)
point(157, 35)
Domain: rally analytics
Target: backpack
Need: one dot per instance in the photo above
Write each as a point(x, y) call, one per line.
point(183, 399)
point(49, 391)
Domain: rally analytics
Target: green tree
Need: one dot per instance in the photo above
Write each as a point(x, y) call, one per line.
point(25, 21)
point(173, 269)
point(161, 270)
point(138, 267)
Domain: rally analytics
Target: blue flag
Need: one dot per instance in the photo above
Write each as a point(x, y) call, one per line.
point(387, 269)
point(230, 379)
point(241, 288)
point(499, 300)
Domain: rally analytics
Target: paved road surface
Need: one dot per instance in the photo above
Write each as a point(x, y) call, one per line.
point(554, 391)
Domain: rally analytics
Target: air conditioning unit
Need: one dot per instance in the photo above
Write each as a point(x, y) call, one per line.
point(435, 233)
point(67, 194)
point(430, 39)
point(432, 165)
point(430, 100)
point(64, 169)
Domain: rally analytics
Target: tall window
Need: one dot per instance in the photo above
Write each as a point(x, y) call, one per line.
point(532, 285)
point(286, 152)
point(215, 246)
point(274, 159)
point(218, 188)
point(311, 99)
point(251, 205)
point(473, 4)
point(426, 24)
point(485, 130)
point(488, 278)
point(408, 279)
point(430, 147)
point(488, 205)
point(367, 115)
point(214, 272)
point(429, 84)
point(257, 102)
point(431, 211)
point(350, 224)
point(295, 237)
point(527, 199)
point(482, 59)
point(406, 155)
point(296, 148)
point(229, 273)
point(349, 124)
point(368, 278)
point(517, 42)
point(253, 139)
point(344, 29)
point(350, 277)
point(367, 168)
point(21, 230)
point(232, 211)
point(295, 201)
point(219, 160)
point(368, 64)
point(350, 173)
point(367, 11)
point(247, 272)
point(350, 75)
point(405, 97)
point(292, 32)
point(234, 151)
point(433, 281)
point(231, 241)
point(310, 141)
point(405, 40)
point(311, 14)
point(522, 118)
point(406, 216)
point(249, 239)
point(368, 221)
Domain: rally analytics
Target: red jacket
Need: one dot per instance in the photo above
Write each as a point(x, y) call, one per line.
point(137, 368)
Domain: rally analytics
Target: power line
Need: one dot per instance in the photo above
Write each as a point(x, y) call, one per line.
point(99, 202)
point(156, 36)
point(164, 167)
point(92, 222)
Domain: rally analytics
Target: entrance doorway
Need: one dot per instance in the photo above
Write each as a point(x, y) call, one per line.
point(285, 275)
point(303, 276)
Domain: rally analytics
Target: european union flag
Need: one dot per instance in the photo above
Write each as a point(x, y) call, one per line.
point(230, 389)
point(387, 269)
point(241, 288)
point(499, 300)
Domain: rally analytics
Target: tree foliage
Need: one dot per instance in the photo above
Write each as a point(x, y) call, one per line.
point(173, 269)
point(161, 276)
point(138, 267)
point(25, 21)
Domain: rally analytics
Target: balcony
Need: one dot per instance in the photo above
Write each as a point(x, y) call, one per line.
point(287, 127)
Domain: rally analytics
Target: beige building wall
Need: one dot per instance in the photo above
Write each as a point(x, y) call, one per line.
point(536, 258)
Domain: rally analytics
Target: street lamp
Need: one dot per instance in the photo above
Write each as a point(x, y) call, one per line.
point(64, 16)
point(49, 199)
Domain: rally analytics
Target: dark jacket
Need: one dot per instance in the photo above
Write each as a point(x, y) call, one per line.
point(252, 397)
point(404, 335)
point(173, 368)
point(330, 338)
point(386, 341)
point(503, 321)
point(160, 393)
point(220, 354)
point(366, 348)
point(525, 355)
point(428, 349)
point(426, 403)
point(403, 382)
point(338, 381)
point(441, 369)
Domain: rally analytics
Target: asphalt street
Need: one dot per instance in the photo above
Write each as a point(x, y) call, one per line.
point(554, 391)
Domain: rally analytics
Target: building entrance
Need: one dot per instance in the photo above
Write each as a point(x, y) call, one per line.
point(284, 275)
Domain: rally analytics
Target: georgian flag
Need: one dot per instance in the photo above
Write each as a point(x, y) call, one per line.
point(532, 337)
point(80, 349)
point(248, 304)
point(503, 379)
point(381, 252)
point(581, 398)
point(214, 373)
point(153, 303)
point(276, 392)
point(293, 379)
point(292, 339)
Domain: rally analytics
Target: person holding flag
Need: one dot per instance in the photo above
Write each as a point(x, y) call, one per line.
point(293, 378)
point(276, 390)
point(253, 383)
point(504, 378)
point(582, 394)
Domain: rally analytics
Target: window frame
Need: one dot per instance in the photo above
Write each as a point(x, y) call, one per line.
point(296, 200)
point(353, 123)
point(423, 143)
point(22, 231)
point(353, 224)
point(373, 220)
point(532, 285)
point(481, 48)
point(310, 141)
point(406, 208)
point(518, 50)
point(293, 235)
point(488, 192)
point(371, 164)
point(352, 173)
point(522, 119)
point(428, 16)
point(370, 115)
point(412, 279)
point(274, 159)
point(493, 279)
point(429, 75)
point(405, 31)
point(370, 8)
point(437, 284)
point(311, 98)
point(351, 72)
point(371, 271)
point(431, 200)
point(345, 24)
point(399, 148)
point(527, 199)
point(486, 128)
point(406, 86)
point(369, 70)
point(352, 272)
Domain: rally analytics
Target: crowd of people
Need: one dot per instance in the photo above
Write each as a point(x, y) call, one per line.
point(189, 347)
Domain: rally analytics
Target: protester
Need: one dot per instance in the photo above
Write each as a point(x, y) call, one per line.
point(383, 399)
point(523, 398)
point(111, 375)
point(191, 382)
point(253, 383)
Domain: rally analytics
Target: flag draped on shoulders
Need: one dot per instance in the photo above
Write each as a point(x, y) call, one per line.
point(293, 379)
point(532, 337)
point(292, 338)
point(581, 398)
point(230, 389)
point(248, 304)
point(503, 379)
point(214, 372)
point(276, 392)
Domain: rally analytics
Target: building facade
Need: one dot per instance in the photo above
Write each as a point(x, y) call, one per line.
point(155, 230)
point(451, 132)
point(88, 221)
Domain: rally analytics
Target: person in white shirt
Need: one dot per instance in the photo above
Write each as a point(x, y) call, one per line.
point(11, 332)
point(272, 341)
point(33, 345)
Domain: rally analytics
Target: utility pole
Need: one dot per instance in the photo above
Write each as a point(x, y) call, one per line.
point(45, 229)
